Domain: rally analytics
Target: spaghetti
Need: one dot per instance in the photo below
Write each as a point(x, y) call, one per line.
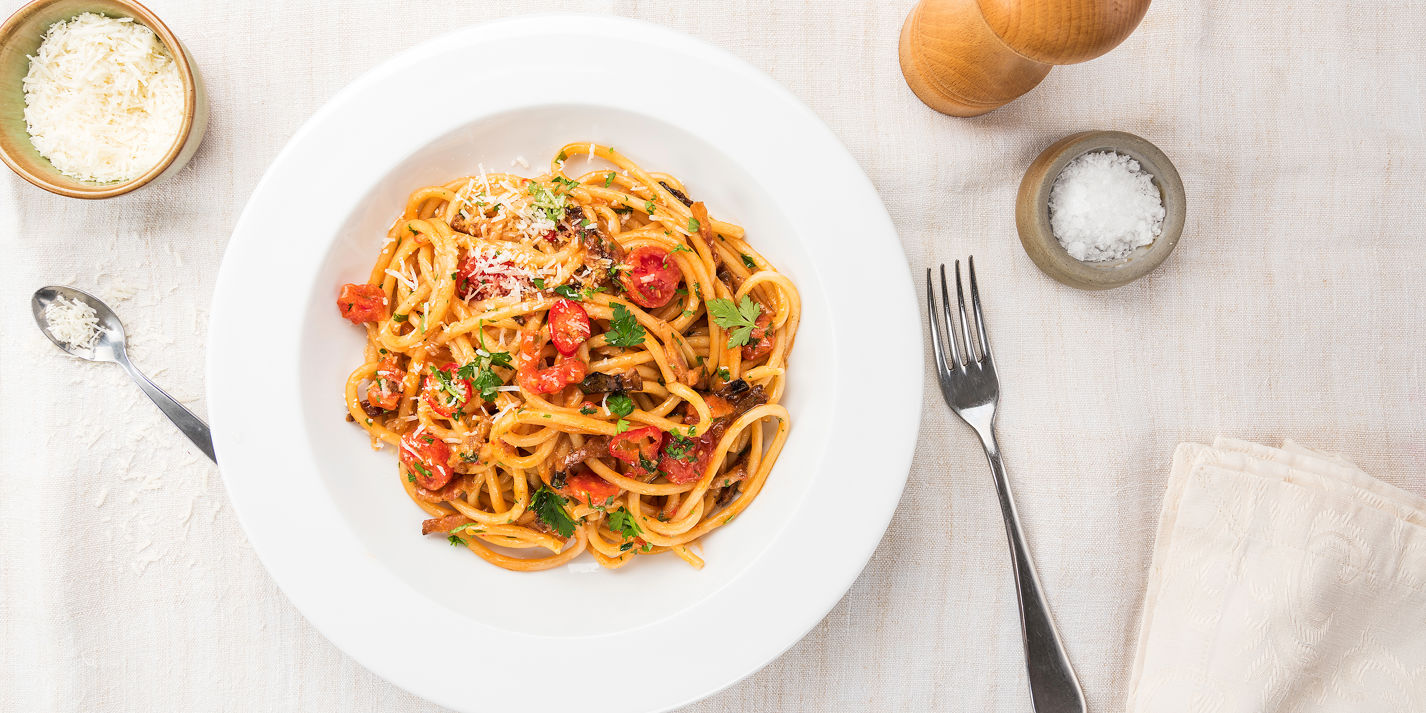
point(571, 364)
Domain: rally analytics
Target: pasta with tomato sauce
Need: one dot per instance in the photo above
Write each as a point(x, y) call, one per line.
point(570, 364)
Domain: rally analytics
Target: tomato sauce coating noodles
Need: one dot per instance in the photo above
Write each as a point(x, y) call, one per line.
point(569, 364)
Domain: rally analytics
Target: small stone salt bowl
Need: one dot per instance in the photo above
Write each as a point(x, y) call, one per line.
point(1032, 211)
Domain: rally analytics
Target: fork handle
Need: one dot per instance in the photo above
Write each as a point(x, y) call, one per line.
point(1053, 685)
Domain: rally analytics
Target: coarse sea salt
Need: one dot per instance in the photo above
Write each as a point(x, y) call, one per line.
point(1103, 206)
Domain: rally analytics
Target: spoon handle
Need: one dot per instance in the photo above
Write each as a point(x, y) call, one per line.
point(191, 425)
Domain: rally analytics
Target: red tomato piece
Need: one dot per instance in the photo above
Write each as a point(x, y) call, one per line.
point(650, 278)
point(760, 342)
point(362, 303)
point(385, 388)
point(445, 392)
point(589, 488)
point(639, 447)
point(480, 277)
point(569, 326)
point(684, 459)
point(550, 379)
point(427, 459)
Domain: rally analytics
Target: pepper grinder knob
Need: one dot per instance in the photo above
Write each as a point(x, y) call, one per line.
point(967, 57)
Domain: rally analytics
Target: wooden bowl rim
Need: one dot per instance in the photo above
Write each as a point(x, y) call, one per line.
point(190, 104)
point(1032, 211)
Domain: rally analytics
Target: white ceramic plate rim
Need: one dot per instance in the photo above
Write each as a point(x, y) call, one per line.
point(368, 612)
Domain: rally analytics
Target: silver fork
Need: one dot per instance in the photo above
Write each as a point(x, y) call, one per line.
point(971, 389)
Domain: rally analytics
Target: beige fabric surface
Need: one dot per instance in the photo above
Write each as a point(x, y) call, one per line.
point(1282, 580)
point(1291, 308)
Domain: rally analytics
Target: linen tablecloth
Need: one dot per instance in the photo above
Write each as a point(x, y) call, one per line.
point(1291, 308)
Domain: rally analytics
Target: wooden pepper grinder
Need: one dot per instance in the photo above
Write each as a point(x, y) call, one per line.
point(967, 57)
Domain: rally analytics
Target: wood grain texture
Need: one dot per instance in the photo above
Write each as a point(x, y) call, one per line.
point(968, 57)
point(1063, 31)
point(957, 65)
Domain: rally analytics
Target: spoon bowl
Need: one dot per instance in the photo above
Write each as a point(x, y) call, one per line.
point(112, 340)
point(112, 346)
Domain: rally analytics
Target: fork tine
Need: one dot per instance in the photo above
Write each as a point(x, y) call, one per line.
point(946, 311)
point(965, 326)
point(934, 317)
point(979, 316)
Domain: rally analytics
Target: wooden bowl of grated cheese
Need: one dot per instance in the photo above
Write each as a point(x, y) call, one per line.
point(99, 97)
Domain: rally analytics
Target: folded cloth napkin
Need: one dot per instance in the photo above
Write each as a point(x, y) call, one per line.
point(1283, 580)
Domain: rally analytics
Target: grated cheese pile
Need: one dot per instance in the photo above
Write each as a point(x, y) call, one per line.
point(498, 273)
point(72, 322)
point(103, 99)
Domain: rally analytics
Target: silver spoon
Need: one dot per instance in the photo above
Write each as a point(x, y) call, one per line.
point(110, 347)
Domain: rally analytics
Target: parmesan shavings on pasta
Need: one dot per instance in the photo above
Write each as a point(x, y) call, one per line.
point(72, 322)
point(494, 272)
point(103, 98)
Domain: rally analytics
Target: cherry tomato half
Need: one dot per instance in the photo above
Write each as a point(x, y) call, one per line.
point(589, 488)
point(760, 341)
point(639, 447)
point(445, 392)
point(569, 326)
point(548, 380)
point(385, 388)
point(684, 459)
point(650, 278)
point(362, 303)
point(427, 459)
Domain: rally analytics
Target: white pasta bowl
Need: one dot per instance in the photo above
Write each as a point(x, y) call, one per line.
point(327, 514)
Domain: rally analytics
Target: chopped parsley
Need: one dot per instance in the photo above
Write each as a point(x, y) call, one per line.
point(693, 225)
point(451, 392)
point(548, 201)
point(588, 410)
point(738, 319)
point(622, 521)
point(724, 374)
point(680, 449)
point(620, 404)
point(423, 470)
point(680, 248)
point(455, 541)
point(621, 426)
point(608, 179)
point(568, 292)
point(749, 262)
point(398, 318)
point(649, 208)
point(481, 372)
point(624, 329)
point(562, 157)
point(549, 508)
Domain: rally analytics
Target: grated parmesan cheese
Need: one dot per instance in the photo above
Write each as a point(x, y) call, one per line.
point(103, 98)
point(72, 322)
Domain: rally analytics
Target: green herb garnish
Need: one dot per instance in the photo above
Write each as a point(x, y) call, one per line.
point(620, 404)
point(624, 329)
point(622, 521)
point(549, 508)
point(738, 319)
